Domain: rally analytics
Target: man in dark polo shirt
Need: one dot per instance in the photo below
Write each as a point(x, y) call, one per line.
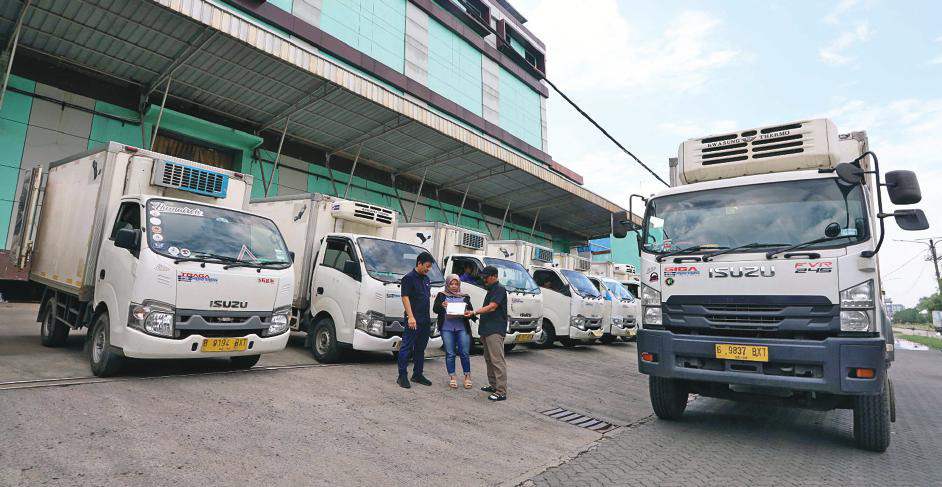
point(493, 329)
point(416, 296)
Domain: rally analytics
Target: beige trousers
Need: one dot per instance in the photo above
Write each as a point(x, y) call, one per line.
point(493, 346)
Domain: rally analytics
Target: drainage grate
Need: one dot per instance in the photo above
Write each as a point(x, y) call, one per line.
point(580, 420)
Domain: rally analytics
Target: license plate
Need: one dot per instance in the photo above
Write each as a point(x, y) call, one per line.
point(224, 344)
point(597, 333)
point(742, 352)
point(524, 337)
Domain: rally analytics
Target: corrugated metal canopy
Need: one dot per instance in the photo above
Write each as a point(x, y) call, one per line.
point(224, 63)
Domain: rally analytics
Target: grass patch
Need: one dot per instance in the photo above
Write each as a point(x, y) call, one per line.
point(916, 326)
point(930, 342)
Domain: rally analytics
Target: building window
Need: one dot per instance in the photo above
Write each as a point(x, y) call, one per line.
point(191, 150)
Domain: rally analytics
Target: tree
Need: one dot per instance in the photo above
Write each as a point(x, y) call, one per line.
point(910, 315)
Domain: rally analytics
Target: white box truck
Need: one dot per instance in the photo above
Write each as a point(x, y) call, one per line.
point(347, 288)
point(760, 277)
point(155, 255)
point(459, 249)
point(627, 276)
point(620, 312)
point(572, 307)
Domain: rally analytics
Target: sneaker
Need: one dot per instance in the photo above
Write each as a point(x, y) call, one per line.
point(420, 379)
point(488, 389)
point(403, 382)
point(497, 397)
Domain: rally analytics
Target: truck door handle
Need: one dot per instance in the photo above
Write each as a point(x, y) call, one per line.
point(320, 291)
point(101, 274)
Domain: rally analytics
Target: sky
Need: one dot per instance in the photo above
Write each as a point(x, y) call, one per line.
point(657, 73)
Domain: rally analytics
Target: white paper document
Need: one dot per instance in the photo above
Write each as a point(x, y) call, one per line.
point(455, 309)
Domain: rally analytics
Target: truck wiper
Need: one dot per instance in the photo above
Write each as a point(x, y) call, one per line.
point(769, 254)
point(257, 265)
point(203, 256)
point(754, 245)
point(688, 250)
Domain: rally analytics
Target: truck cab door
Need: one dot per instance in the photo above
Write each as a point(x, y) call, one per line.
point(336, 285)
point(117, 267)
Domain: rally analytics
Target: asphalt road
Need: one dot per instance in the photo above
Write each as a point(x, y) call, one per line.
point(200, 422)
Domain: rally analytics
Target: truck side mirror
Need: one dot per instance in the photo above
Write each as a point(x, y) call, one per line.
point(352, 269)
point(128, 238)
point(291, 256)
point(903, 187)
point(911, 219)
point(621, 224)
point(849, 173)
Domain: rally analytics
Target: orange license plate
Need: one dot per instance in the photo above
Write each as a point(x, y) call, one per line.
point(750, 353)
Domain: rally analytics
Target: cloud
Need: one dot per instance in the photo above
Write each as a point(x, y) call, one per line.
point(595, 47)
point(834, 17)
point(836, 51)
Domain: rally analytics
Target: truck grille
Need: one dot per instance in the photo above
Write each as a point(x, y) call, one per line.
point(753, 316)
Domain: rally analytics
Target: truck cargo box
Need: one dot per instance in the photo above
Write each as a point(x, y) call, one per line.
point(80, 190)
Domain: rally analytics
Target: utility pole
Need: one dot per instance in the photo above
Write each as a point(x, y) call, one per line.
point(930, 242)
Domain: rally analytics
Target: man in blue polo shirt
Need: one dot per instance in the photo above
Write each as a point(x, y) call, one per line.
point(416, 300)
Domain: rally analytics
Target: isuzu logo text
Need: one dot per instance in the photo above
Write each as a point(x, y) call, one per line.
point(743, 271)
point(228, 304)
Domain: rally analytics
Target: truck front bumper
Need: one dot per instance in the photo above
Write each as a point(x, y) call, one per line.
point(814, 365)
point(588, 334)
point(620, 330)
point(369, 343)
point(136, 344)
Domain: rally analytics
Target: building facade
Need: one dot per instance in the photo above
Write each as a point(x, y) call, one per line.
point(435, 109)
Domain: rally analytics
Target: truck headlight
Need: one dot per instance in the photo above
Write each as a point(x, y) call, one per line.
point(650, 296)
point(152, 317)
point(854, 320)
point(857, 307)
point(279, 321)
point(857, 297)
point(652, 316)
point(372, 323)
point(616, 320)
point(578, 322)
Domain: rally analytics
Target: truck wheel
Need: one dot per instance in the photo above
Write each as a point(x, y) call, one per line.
point(872, 421)
point(509, 346)
point(548, 337)
point(668, 397)
point(103, 360)
point(607, 338)
point(324, 344)
point(567, 342)
point(52, 332)
point(244, 361)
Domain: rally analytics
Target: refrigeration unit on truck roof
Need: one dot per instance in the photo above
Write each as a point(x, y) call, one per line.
point(520, 251)
point(572, 262)
point(441, 239)
point(803, 145)
point(364, 213)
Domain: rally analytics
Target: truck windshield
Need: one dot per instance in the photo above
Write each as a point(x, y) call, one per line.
point(581, 284)
point(618, 290)
point(513, 276)
point(388, 261)
point(756, 216)
point(187, 230)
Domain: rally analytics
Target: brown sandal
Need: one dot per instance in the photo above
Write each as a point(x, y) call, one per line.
point(467, 383)
point(453, 383)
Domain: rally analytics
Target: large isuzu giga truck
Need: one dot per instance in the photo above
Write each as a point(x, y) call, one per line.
point(572, 307)
point(760, 274)
point(155, 255)
point(348, 286)
point(458, 249)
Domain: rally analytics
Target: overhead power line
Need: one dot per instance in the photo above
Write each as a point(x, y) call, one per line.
point(593, 122)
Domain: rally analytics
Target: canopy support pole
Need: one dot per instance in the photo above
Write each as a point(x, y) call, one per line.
point(418, 195)
point(353, 170)
point(160, 114)
point(11, 48)
point(438, 198)
point(330, 174)
point(398, 197)
point(461, 208)
point(535, 218)
point(503, 220)
point(274, 167)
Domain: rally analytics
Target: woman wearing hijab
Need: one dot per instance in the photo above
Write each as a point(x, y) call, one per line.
point(456, 329)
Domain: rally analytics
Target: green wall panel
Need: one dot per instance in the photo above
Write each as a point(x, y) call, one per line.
point(106, 129)
point(454, 68)
point(13, 124)
point(374, 27)
point(520, 109)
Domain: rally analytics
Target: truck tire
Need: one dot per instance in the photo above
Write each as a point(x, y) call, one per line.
point(244, 361)
point(103, 360)
point(52, 332)
point(568, 342)
point(324, 346)
point(607, 338)
point(668, 397)
point(509, 346)
point(872, 421)
point(548, 336)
